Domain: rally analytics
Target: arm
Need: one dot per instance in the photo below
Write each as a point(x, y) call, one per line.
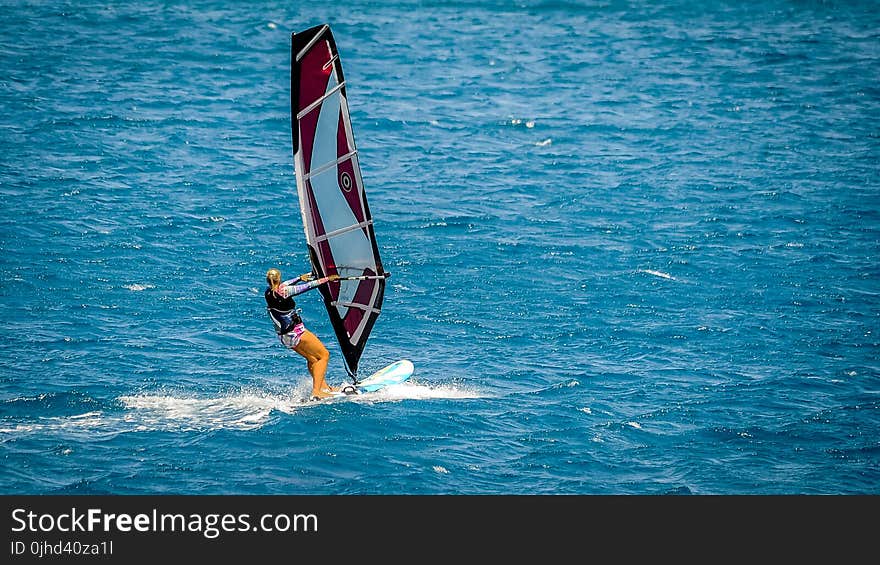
point(293, 287)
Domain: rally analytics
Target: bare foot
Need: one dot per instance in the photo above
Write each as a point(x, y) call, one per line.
point(321, 393)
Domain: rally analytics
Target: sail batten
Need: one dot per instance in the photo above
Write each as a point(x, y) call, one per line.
point(326, 167)
point(364, 307)
point(341, 231)
point(317, 102)
point(338, 226)
point(315, 37)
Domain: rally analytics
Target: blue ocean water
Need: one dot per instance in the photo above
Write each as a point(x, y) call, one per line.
point(634, 248)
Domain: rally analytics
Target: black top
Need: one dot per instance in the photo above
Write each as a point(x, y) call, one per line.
point(282, 311)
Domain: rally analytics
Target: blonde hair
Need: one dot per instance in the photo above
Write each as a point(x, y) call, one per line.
point(273, 277)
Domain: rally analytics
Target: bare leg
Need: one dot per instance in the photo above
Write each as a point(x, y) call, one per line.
point(317, 357)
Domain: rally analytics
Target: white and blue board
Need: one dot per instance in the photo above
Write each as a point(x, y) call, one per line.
point(393, 374)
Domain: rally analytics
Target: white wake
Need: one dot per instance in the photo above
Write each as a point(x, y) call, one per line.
point(240, 410)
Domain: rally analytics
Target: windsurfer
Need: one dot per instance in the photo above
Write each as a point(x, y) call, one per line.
point(289, 326)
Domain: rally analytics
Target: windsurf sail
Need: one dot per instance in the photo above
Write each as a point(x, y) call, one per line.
point(336, 219)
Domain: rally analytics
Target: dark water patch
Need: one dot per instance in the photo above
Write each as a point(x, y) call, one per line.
point(53, 404)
